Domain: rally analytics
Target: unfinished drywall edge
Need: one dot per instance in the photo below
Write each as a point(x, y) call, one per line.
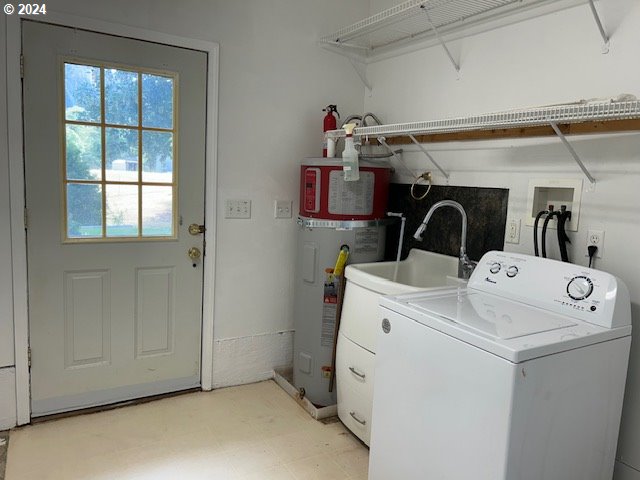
point(242, 360)
point(8, 417)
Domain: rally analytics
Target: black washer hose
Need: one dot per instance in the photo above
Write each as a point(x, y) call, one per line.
point(544, 231)
point(535, 231)
point(563, 238)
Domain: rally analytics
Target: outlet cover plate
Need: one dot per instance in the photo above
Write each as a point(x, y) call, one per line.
point(596, 237)
point(513, 231)
point(237, 209)
point(283, 209)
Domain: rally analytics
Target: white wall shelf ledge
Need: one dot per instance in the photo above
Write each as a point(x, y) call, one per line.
point(419, 20)
point(586, 117)
point(416, 24)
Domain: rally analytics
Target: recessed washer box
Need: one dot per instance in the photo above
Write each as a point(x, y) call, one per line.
point(557, 192)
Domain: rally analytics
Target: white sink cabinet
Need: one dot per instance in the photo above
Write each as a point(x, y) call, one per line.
point(360, 322)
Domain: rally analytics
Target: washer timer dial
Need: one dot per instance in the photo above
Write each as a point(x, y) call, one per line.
point(512, 271)
point(580, 287)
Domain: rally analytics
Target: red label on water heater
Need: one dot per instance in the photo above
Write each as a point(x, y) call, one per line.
point(325, 194)
point(312, 190)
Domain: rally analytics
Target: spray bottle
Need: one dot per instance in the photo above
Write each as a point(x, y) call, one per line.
point(350, 156)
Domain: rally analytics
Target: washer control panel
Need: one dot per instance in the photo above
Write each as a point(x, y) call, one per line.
point(573, 290)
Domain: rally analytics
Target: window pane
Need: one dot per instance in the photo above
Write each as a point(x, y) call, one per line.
point(84, 210)
point(157, 211)
point(157, 156)
point(122, 210)
point(157, 101)
point(84, 152)
point(82, 92)
point(120, 97)
point(121, 154)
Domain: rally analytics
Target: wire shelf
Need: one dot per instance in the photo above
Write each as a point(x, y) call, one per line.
point(415, 20)
point(532, 117)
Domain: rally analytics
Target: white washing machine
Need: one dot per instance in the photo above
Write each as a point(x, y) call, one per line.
point(519, 376)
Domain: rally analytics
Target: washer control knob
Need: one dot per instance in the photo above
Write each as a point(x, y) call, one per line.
point(495, 268)
point(512, 271)
point(580, 287)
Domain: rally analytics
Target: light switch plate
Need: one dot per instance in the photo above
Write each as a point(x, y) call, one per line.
point(283, 208)
point(237, 209)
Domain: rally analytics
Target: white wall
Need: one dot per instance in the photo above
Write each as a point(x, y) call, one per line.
point(274, 82)
point(547, 60)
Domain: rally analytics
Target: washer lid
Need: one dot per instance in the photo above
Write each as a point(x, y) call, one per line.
point(491, 316)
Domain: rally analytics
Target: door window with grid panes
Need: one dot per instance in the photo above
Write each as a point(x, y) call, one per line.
point(119, 161)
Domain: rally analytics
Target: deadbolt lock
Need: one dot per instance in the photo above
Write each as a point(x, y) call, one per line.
point(195, 229)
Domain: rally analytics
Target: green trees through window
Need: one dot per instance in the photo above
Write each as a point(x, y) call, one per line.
point(117, 120)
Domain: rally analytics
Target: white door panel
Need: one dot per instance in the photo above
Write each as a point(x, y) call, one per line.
point(117, 319)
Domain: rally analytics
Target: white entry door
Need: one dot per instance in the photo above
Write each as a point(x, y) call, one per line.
point(114, 165)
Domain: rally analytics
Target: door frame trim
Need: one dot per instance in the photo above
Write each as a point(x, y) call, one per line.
point(17, 187)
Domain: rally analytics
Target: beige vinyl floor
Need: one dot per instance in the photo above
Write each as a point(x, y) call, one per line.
point(249, 432)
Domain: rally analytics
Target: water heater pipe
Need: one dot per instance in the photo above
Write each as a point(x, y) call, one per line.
point(401, 239)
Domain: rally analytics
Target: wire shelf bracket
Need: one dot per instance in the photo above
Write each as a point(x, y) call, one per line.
point(574, 154)
point(383, 141)
point(440, 40)
point(361, 70)
point(413, 139)
point(603, 32)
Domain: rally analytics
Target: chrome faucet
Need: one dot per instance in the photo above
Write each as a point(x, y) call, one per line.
point(465, 266)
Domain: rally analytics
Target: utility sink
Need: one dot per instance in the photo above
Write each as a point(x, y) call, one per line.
point(366, 282)
point(420, 270)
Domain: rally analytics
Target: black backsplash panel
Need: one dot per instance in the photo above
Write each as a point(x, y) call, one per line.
point(486, 215)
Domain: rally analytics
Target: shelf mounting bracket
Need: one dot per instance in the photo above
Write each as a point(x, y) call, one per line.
point(383, 141)
point(361, 70)
point(573, 153)
point(441, 40)
point(603, 33)
point(413, 139)
point(356, 62)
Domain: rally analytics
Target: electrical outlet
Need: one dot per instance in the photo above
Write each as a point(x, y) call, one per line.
point(283, 208)
point(513, 231)
point(237, 209)
point(596, 237)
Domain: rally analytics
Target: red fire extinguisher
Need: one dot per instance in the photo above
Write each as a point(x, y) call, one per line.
point(329, 124)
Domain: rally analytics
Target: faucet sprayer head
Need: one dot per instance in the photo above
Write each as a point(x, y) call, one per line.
point(419, 232)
